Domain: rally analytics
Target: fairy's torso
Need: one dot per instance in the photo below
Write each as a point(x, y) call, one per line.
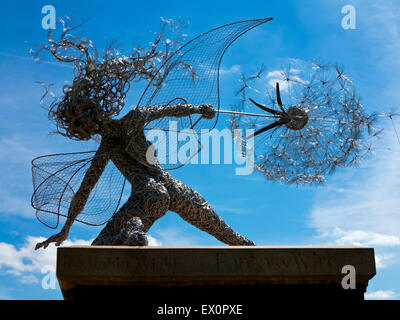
point(127, 146)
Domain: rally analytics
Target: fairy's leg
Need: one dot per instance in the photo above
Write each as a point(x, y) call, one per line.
point(149, 201)
point(193, 208)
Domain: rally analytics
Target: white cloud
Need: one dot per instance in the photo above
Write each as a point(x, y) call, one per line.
point(29, 279)
point(364, 199)
point(153, 241)
point(25, 262)
point(13, 149)
point(234, 69)
point(294, 71)
point(362, 207)
point(381, 295)
point(278, 76)
point(174, 237)
point(361, 238)
point(384, 260)
point(274, 74)
point(386, 16)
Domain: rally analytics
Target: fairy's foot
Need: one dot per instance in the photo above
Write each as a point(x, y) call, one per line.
point(132, 234)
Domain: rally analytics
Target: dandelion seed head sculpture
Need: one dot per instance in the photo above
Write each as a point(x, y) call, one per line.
point(320, 123)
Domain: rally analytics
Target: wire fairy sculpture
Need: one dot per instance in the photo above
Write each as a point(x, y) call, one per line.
point(312, 123)
point(182, 84)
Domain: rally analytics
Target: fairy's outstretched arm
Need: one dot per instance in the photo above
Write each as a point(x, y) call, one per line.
point(78, 202)
point(148, 114)
point(178, 110)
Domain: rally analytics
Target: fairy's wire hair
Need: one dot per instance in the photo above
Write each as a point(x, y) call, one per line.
point(336, 133)
point(100, 84)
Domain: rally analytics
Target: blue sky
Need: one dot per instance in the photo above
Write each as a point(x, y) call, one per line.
point(357, 206)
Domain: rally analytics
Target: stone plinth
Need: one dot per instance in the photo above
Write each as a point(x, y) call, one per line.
point(241, 273)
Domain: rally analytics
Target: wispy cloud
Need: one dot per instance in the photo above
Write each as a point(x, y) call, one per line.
point(223, 208)
point(172, 237)
point(4, 294)
point(362, 207)
point(16, 153)
point(384, 14)
point(12, 202)
point(235, 69)
point(365, 199)
point(384, 260)
point(361, 238)
point(279, 76)
point(381, 295)
point(33, 60)
point(153, 241)
point(13, 149)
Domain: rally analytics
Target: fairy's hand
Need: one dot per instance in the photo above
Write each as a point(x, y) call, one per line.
point(207, 111)
point(57, 238)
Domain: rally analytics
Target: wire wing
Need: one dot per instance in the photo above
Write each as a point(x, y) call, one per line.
point(191, 75)
point(57, 177)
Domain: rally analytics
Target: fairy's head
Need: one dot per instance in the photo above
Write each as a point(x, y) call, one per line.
point(98, 90)
point(87, 106)
point(100, 85)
